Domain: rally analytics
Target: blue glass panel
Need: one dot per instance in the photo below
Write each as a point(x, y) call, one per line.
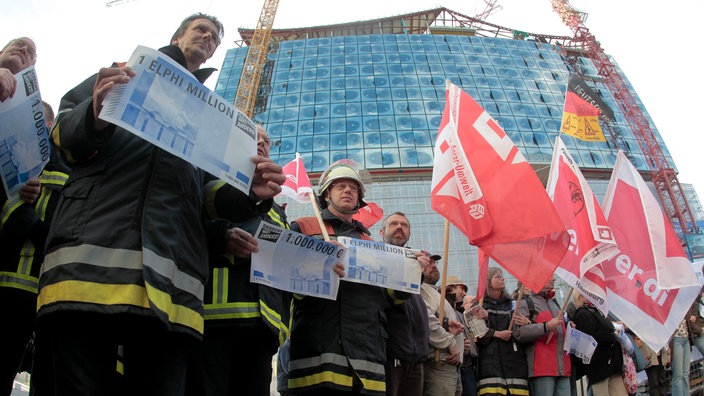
point(431, 93)
point(412, 93)
point(337, 96)
point(383, 93)
point(337, 155)
point(351, 82)
point(371, 123)
point(277, 101)
point(369, 95)
point(399, 93)
point(434, 122)
point(381, 158)
point(337, 83)
point(321, 126)
point(320, 142)
point(372, 139)
point(354, 140)
point(322, 111)
point(506, 123)
point(338, 125)
point(394, 69)
point(552, 125)
point(380, 81)
point(387, 124)
point(352, 95)
point(318, 162)
point(354, 124)
point(306, 112)
point(288, 145)
point(305, 128)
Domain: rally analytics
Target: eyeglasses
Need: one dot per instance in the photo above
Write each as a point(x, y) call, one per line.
point(499, 277)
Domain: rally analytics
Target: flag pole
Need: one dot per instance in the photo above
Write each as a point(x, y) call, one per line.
point(441, 309)
point(518, 303)
point(562, 311)
point(316, 209)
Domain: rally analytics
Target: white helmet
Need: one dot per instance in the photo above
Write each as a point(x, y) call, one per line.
point(342, 169)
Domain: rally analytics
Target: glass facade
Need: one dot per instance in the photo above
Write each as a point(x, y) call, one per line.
point(378, 99)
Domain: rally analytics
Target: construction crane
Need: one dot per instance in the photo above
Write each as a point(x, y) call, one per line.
point(490, 8)
point(256, 57)
point(664, 177)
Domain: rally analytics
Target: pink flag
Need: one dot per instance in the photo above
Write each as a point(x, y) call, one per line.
point(369, 215)
point(591, 238)
point(485, 187)
point(297, 184)
point(650, 260)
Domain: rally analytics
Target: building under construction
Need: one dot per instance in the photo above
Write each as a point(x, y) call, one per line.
point(374, 91)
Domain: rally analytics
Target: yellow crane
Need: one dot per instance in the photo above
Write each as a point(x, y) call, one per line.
point(256, 56)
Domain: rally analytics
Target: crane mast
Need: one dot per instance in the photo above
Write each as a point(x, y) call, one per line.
point(256, 57)
point(664, 177)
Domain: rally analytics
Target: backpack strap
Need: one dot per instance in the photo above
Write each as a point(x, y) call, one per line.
point(311, 227)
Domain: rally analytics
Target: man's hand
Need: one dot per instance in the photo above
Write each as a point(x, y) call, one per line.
point(268, 178)
point(454, 357)
point(7, 84)
point(503, 334)
point(29, 192)
point(339, 268)
point(520, 320)
point(240, 243)
point(455, 326)
point(554, 324)
point(107, 78)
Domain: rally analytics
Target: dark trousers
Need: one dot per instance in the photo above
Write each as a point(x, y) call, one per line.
point(469, 380)
point(657, 382)
point(404, 379)
point(17, 309)
point(77, 356)
point(232, 361)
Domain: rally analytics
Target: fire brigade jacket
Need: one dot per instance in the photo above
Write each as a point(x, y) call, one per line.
point(231, 299)
point(25, 227)
point(128, 235)
point(339, 344)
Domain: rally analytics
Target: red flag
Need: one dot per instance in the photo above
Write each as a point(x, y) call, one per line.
point(591, 238)
point(580, 117)
point(297, 184)
point(650, 260)
point(369, 215)
point(484, 186)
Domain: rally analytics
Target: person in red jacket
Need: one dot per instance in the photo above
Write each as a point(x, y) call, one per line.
point(549, 366)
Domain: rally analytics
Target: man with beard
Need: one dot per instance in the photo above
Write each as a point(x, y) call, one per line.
point(407, 345)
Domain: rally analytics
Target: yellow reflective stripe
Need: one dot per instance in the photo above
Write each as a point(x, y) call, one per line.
point(94, 255)
point(274, 318)
point(276, 218)
point(19, 281)
point(56, 138)
point(177, 313)
point(220, 285)
point(374, 385)
point(10, 206)
point(492, 391)
point(392, 293)
point(53, 177)
point(91, 292)
point(168, 269)
point(24, 266)
point(211, 190)
point(319, 378)
point(232, 310)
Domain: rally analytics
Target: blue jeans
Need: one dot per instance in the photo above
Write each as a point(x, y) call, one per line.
point(550, 386)
point(699, 343)
point(681, 357)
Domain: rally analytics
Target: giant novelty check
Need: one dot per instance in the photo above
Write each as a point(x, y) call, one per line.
point(165, 105)
point(24, 140)
point(381, 264)
point(294, 262)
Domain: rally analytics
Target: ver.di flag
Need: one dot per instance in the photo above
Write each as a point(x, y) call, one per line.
point(650, 283)
point(297, 184)
point(485, 187)
point(369, 215)
point(580, 117)
point(591, 238)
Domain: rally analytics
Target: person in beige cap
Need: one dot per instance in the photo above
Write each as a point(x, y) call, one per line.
point(455, 293)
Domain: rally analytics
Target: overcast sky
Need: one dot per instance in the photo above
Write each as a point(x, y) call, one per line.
point(655, 43)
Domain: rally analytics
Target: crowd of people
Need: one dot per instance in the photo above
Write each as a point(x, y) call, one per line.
point(125, 269)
